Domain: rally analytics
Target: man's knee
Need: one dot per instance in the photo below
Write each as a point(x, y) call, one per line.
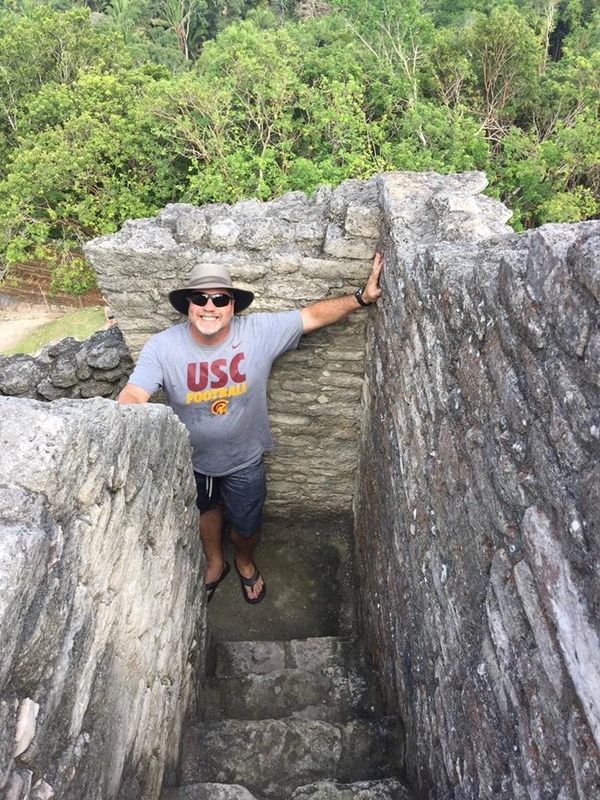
point(245, 536)
point(211, 525)
point(211, 518)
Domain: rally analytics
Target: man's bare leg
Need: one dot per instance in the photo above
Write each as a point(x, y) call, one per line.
point(211, 530)
point(244, 550)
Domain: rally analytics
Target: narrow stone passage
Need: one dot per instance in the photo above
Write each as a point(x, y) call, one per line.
point(288, 711)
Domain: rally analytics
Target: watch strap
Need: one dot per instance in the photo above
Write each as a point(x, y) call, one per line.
point(359, 297)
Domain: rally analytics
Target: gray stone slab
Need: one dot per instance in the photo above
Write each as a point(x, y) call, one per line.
point(243, 658)
point(390, 789)
point(329, 695)
point(267, 757)
point(259, 657)
point(210, 791)
point(271, 757)
point(315, 653)
point(101, 608)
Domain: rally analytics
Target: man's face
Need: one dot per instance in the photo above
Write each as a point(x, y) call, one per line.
point(209, 321)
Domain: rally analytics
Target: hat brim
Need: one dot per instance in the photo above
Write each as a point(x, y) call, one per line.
point(179, 299)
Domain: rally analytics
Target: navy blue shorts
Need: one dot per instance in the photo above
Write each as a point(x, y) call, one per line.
point(243, 495)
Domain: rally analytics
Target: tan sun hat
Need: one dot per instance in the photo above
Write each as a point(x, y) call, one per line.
point(209, 276)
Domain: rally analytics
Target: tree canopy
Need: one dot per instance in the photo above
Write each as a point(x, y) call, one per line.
point(109, 109)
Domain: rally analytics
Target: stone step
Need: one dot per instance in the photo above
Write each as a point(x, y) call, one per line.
point(387, 789)
point(331, 694)
point(274, 756)
point(260, 657)
point(208, 791)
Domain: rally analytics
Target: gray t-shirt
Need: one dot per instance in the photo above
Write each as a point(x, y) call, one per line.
point(220, 392)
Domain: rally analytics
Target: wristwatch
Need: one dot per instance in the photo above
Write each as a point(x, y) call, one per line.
point(359, 296)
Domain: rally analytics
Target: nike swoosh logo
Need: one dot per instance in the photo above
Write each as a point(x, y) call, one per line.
point(237, 344)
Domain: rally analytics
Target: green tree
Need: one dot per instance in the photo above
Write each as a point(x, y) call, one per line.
point(94, 130)
point(506, 56)
point(46, 47)
point(452, 76)
point(434, 137)
point(257, 116)
point(233, 116)
point(553, 180)
point(398, 37)
point(92, 156)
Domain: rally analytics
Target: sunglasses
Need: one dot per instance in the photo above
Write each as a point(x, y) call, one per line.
point(219, 300)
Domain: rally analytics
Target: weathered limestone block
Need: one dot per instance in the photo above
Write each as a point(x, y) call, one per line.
point(477, 497)
point(64, 369)
point(101, 603)
point(363, 220)
point(340, 246)
point(575, 630)
point(19, 374)
point(387, 789)
point(224, 233)
point(272, 756)
point(209, 791)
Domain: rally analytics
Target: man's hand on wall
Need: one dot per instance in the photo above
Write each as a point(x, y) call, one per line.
point(326, 312)
point(372, 290)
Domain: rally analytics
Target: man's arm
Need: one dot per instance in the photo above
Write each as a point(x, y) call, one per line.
point(326, 312)
point(133, 394)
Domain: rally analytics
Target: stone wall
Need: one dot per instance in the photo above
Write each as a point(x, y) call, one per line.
point(290, 251)
point(97, 367)
point(478, 496)
point(101, 579)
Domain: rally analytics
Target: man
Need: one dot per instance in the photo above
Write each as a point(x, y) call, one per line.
point(214, 370)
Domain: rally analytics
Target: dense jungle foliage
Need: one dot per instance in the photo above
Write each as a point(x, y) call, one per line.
point(111, 108)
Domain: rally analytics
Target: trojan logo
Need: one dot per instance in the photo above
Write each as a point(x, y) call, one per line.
point(220, 407)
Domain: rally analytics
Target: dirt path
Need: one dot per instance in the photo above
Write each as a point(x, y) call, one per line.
point(17, 323)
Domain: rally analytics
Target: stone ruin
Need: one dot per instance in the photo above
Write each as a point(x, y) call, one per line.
point(96, 546)
point(478, 506)
point(97, 367)
point(461, 419)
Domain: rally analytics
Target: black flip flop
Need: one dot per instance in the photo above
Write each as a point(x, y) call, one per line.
point(250, 582)
point(211, 587)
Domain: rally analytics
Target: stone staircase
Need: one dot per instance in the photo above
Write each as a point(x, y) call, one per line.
point(290, 719)
point(287, 711)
